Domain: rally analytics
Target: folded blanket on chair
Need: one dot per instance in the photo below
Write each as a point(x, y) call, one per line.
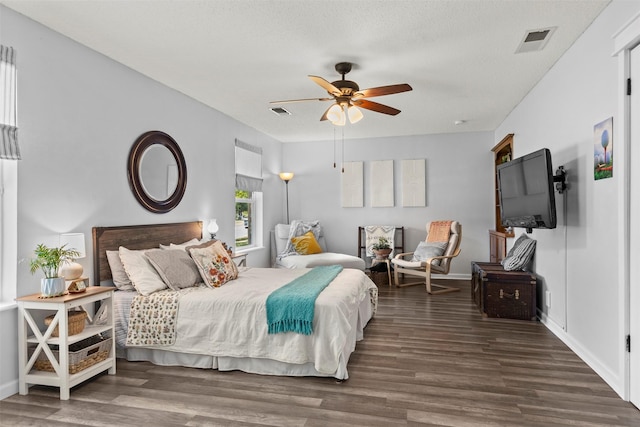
point(373, 234)
point(439, 231)
point(291, 307)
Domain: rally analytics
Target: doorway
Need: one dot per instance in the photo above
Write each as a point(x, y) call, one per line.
point(634, 226)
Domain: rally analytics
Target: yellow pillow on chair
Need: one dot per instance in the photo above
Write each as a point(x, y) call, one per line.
point(306, 244)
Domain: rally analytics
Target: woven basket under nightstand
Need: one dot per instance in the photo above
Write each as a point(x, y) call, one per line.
point(76, 322)
point(82, 354)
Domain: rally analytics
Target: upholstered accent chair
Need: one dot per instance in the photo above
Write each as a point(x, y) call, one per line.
point(433, 256)
point(281, 234)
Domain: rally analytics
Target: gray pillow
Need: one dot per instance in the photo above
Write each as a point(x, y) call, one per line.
point(119, 276)
point(175, 267)
point(520, 255)
point(426, 250)
point(517, 243)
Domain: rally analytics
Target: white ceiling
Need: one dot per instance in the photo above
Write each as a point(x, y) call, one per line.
point(237, 55)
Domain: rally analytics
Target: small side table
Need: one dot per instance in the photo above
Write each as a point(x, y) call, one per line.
point(61, 305)
point(387, 261)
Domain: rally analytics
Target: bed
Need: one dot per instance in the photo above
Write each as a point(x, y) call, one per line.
point(225, 328)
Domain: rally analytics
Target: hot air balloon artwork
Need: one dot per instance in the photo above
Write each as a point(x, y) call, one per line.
point(603, 149)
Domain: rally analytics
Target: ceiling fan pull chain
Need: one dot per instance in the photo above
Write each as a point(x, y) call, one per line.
point(334, 147)
point(342, 150)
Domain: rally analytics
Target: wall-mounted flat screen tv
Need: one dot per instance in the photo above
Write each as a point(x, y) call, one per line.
point(525, 187)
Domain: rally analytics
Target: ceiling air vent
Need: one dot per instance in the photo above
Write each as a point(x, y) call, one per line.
point(535, 40)
point(280, 111)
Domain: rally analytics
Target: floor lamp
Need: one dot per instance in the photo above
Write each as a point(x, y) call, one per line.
point(286, 177)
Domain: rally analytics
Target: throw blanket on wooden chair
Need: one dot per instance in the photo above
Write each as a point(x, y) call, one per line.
point(291, 308)
point(439, 231)
point(374, 232)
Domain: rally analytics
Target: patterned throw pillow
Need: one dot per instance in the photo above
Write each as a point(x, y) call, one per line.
point(214, 264)
point(306, 244)
point(520, 255)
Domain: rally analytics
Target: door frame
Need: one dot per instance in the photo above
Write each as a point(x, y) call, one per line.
point(625, 39)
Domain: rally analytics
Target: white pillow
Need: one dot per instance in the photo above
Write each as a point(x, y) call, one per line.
point(142, 274)
point(182, 246)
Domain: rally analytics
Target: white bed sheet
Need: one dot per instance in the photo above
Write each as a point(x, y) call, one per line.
point(225, 328)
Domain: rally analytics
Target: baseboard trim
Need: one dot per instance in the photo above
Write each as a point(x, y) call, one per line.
point(609, 377)
point(8, 389)
point(451, 276)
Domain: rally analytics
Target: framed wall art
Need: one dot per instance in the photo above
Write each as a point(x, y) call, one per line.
point(413, 183)
point(603, 149)
point(352, 185)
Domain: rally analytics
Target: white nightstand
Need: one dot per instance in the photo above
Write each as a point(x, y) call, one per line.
point(61, 305)
point(240, 259)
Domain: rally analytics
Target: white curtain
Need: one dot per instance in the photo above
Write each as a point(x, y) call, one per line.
point(248, 167)
point(8, 105)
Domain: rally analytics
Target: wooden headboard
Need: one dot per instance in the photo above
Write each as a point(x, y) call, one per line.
point(136, 237)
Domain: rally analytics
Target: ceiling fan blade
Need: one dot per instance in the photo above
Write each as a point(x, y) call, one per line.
point(326, 85)
point(324, 116)
point(288, 101)
point(374, 106)
point(382, 90)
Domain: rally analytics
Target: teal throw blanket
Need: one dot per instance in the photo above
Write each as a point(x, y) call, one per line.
point(291, 307)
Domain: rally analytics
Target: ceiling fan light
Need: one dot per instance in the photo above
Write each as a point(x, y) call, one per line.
point(342, 120)
point(355, 115)
point(334, 113)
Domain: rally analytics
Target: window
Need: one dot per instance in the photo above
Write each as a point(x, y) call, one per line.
point(248, 205)
point(9, 152)
point(244, 218)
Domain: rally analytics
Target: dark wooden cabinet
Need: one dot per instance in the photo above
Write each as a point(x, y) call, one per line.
point(502, 153)
point(497, 246)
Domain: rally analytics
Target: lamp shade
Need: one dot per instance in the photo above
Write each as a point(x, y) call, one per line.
point(336, 115)
point(71, 270)
point(213, 228)
point(355, 115)
point(286, 176)
point(74, 241)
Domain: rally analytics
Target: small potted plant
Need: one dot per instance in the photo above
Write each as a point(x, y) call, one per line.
point(381, 248)
point(49, 260)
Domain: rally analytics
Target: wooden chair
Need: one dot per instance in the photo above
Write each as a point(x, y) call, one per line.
point(398, 247)
point(403, 263)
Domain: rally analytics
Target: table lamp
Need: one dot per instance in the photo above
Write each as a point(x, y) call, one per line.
point(71, 270)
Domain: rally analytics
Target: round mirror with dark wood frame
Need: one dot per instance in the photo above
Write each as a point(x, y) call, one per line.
point(157, 171)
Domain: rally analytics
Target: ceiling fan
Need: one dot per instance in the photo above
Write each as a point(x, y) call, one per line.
point(347, 97)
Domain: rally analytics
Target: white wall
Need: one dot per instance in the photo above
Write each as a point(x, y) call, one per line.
point(578, 260)
point(79, 114)
point(459, 186)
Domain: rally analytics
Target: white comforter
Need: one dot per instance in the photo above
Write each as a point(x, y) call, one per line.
point(231, 320)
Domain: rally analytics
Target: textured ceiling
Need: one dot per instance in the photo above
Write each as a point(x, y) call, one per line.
point(237, 55)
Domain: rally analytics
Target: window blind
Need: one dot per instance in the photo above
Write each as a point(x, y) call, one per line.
point(9, 148)
point(248, 167)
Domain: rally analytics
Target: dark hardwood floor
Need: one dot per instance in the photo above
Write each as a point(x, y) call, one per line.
point(425, 360)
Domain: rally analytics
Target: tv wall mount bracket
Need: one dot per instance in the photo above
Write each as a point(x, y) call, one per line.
point(560, 179)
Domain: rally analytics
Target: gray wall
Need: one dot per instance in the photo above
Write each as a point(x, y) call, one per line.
point(578, 261)
point(459, 176)
point(79, 114)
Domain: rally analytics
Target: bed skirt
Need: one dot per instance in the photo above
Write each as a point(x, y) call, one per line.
point(252, 365)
